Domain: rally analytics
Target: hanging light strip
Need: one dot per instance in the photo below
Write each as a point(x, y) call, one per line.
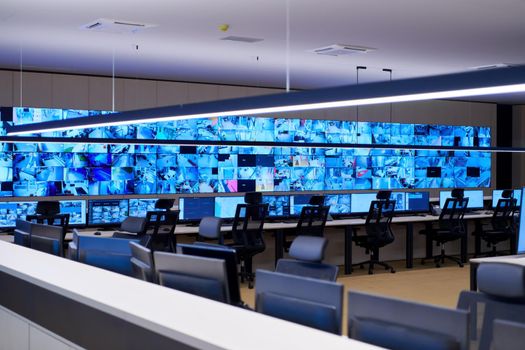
point(470, 84)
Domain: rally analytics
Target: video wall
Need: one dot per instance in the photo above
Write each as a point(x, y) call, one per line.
point(58, 169)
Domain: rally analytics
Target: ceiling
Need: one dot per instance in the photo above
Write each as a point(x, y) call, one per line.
point(411, 37)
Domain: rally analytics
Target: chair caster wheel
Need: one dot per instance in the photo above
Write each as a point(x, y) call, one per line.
point(460, 265)
point(370, 272)
point(361, 267)
point(392, 271)
point(437, 265)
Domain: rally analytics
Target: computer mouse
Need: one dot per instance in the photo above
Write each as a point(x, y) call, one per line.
point(97, 233)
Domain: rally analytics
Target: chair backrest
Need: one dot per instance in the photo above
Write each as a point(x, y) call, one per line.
point(22, 232)
point(501, 296)
point(247, 228)
point(225, 253)
point(164, 203)
point(307, 301)
point(452, 213)
point(161, 226)
point(133, 224)
point(205, 277)
point(399, 324)
point(113, 254)
point(312, 220)
point(47, 207)
point(142, 262)
point(210, 228)
point(378, 220)
point(508, 335)
point(502, 218)
point(47, 238)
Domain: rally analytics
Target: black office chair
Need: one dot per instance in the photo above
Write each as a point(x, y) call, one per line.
point(308, 253)
point(48, 213)
point(161, 226)
point(378, 233)
point(451, 227)
point(311, 222)
point(501, 225)
point(142, 262)
point(131, 228)
point(47, 238)
point(247, 235)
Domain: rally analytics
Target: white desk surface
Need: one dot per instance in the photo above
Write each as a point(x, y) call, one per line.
point(511, 259)
point(199, 322)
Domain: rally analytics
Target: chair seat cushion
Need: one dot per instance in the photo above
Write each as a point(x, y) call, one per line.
point(398, 337)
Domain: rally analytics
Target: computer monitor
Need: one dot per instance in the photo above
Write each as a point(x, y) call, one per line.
point(76, 210)
point(195, 208)
point(418, 202)
point(521, 232)
point(496, 195)
point(475, 198)
point(339, 204)
point(401, 201)
point(297, 202)
point(278, 206)
point(8, 214)
point(218, 252)
point(107, 212)
point(225, 206)
point(360, 202)
point(140, 206)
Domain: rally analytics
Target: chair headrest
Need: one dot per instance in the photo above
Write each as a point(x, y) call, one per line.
point(507, 194)
point(458, 193)
point(253, 198)
point(316, 200)
point(383, 195)
point(48, 207)
point(308, 248)
point(502, 280)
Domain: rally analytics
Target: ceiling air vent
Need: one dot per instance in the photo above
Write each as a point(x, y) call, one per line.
point(341, 50)
point(116, 26)
point(242, 39)
point(491, 66)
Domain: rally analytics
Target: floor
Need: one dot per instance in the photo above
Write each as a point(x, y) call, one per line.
point(423, 283)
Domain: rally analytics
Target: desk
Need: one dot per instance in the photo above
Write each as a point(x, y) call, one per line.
point(474, 264)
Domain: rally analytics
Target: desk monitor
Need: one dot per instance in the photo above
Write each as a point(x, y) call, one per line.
point(360, 202)
point(339, 204)
point(297, 202)
point(107, 212)
point(195, 208)
point(218, 252)
point(401, 201)
point(418, 202)
point(496, 195)
point(521, 232)
point(140, 206)
point(225, 206)
point(278, 206)
point(475, 198)
point(8, 214)
point(76, 210)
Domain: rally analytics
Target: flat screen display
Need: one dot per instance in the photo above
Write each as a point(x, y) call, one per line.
point(360, 202)
point(11, 211)
point(475, 198)
point(278, 206)
point(496, 195)
point(225, 207)
point(297, 202)
point(195, 208)
point(418, 202)
point(521, 233)
point(339, 204)
point(140, 207)
point(102, 212)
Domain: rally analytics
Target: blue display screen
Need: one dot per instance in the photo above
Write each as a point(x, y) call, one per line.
point(360, 202)
point(521, 233)
point(278, 206)
point(140, 207)
point(297, 202)
point(496, 195)
point(11, 211)
point(475, 198)
point(225, 206)
point(107, 211)
point(195, 208)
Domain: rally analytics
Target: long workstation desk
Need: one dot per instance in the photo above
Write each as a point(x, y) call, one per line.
point(349, 226)
point(86, 307)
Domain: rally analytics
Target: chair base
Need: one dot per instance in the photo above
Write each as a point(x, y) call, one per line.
point(371, 264)
point(440, 259)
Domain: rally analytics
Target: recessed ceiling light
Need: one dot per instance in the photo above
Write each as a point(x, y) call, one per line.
point(242, 39)
point(341, 50)
point(116, 26)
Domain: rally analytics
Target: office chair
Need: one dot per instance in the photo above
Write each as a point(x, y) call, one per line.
point(47, 238)
point(308, 253)
point(501, 296)
point(450, 228)
point(22, 232)
point(48, 212)
point(307, 301)
point(205, 277)
point(311, 222)
point(508, 335)
point(378, 233)
point(142, 262)
point(210, 229)
point(404, 325)
point(247, 235)
point(501, 225)
point(161, 226)
point(131, 227)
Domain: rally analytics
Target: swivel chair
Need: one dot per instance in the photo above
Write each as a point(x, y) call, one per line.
point(247, 235)
point(48, 212)
point(161, 226)
point(311, 222)
point(502, 224)
point(378, 233)
point(450, 228)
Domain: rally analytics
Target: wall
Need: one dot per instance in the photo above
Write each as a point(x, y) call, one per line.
point(518, 159)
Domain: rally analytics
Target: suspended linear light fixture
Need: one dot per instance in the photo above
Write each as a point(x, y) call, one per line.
point(469, 84)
